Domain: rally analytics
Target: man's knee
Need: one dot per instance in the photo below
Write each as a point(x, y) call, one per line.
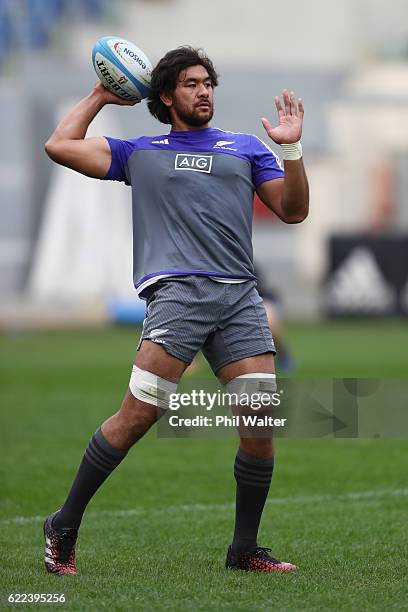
point(147, 397)
point(130, 423)
point(151, 389)
point(136, 412)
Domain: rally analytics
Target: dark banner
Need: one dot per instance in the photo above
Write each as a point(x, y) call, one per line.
point(368, 276)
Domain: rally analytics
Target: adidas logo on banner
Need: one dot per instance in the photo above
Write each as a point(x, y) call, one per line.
point(358, 286)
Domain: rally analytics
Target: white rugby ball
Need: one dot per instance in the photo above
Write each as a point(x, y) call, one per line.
point(122, 67)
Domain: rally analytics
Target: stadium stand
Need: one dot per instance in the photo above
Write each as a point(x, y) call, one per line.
point(34, 21)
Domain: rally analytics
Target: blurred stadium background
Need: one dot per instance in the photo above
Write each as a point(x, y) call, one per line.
point(65, 240)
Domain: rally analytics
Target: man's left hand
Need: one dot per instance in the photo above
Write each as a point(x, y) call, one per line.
point(289, 129)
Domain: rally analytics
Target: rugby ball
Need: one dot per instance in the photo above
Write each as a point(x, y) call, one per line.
point(122, 67)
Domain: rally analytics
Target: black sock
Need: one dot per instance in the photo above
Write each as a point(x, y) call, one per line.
point(253, 476)
point(99, 460)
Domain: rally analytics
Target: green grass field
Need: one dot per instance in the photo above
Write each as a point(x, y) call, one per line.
point(155, 536)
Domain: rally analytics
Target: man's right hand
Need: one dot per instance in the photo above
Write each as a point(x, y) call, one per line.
point(110, 98)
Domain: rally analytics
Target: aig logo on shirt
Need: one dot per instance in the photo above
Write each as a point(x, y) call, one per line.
point(197, 163)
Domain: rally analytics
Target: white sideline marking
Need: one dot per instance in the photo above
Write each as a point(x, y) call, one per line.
point(299, 499)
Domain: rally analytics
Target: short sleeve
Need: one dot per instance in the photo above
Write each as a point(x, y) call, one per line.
point(121, 150)
point(265, 163)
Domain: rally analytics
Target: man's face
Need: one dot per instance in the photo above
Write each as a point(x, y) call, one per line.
point(193, 101)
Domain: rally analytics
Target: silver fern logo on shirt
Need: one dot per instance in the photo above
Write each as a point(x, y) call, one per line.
point(222, 144)
point(196, 163)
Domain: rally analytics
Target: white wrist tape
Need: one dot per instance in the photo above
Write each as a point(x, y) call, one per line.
point(292, 150)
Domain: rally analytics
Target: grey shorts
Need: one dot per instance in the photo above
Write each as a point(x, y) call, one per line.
point(186, 314)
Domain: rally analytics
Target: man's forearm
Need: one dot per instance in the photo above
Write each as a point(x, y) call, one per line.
point(295, 194)
point(75, 124)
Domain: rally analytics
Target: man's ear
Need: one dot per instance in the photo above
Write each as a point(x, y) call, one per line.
point(166, 99)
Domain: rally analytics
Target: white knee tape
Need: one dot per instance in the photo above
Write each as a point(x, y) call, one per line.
point(148, 387)
point(254, 384)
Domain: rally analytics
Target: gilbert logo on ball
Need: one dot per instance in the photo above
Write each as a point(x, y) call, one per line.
point(122, 67)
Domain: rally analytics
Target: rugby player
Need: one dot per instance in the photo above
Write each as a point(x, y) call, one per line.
point(192, 191)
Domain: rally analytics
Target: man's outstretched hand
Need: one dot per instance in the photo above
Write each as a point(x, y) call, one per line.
point(289, 129)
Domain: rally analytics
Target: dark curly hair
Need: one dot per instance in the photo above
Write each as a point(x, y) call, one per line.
point(165, 76)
